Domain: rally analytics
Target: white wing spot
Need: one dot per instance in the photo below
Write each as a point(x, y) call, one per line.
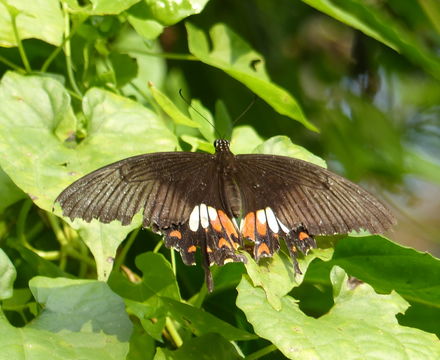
point(272, 220)
point(235, 223)
point(283, 227)
point(212, 213)
point(204, 219)
point(261, 216)
point(194, 219)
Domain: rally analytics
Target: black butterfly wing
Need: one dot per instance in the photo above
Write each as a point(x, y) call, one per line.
point(151, 182)
point(300, 200)
point(179, 194)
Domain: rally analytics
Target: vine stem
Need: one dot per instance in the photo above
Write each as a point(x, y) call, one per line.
point(21, 225)
point(67, 50)
point(260, 353)
point(121, 257)
point(173, 332)
point(20, 47)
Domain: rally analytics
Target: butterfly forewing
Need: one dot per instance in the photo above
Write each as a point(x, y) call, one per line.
point(304, 194)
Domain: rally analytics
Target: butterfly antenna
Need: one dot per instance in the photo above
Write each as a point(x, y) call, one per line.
point(245, 110)
point(198, 112)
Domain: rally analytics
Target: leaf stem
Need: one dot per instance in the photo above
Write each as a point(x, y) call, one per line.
point(260, 353)
point(12, 65)
point(173, 332)
point(58, 49)
point(21, 225)
point(157, 247)
point(68, 52)
point(173, 261)
point(20, 47)
point(121, 257)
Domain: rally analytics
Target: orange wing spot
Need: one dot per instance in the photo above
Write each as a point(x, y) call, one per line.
point(293, 248)
point(227, 224)
point(216, 224)
point(303, 235)
point(208, 249)
point(261, 228)
point(192, 249)
point(249, 226)
point(263, 248)
point(176, 233)
point(235, 245)
point(223, 242)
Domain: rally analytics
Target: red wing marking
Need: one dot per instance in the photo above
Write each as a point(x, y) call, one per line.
point(303, 235)
point(263, 248)
point(223, 242)
point(227, 224)
point(261, 228)
point(192, 249)
point(249, 226)
point(176, 233)
point(216, 224)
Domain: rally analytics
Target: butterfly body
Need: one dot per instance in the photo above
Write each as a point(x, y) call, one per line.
point(195, 200)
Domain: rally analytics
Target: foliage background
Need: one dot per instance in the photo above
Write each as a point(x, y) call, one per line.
point(84, 84)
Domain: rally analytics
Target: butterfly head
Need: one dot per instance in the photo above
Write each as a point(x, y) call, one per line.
point(221, 145)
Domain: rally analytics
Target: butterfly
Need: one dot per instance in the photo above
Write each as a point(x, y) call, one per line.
point(195, 200)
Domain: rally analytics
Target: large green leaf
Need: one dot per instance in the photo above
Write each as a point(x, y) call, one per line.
point(100, 7)
point(372, 22)
point(361, 325)
point(282, 145)
point(9, 192)
point(39, 19)
point(277, 276)
point(36, 117)
point(234, 56)
point(81, 319)
point(7, 276)
point(149, 17)
point(208, 346)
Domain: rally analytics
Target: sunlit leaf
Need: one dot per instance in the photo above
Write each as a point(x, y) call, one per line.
point(234, 56)
point(359, 314)
point(81, 319)
point(39, 19)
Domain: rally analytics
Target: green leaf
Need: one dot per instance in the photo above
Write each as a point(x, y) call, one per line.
point(223, 123)
point(39, 19)
point(374, 23)
point(7, 276)
point(172, 110)
point(79, 305)
point(101, 7)
point(81, 319)
point(36, 265)
point(198, 144)
point(358, 314)
point(158, 277)
point(201, 322)
point(149, 68)
point(282, 145)
point(244, 139)
point(9, 192)
point(203, 117)
point(36, 111)
point(208, 346)
point(169, 12)
point(141, 19)
point(142, 346)
point(234, 56)
point(277, 276)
